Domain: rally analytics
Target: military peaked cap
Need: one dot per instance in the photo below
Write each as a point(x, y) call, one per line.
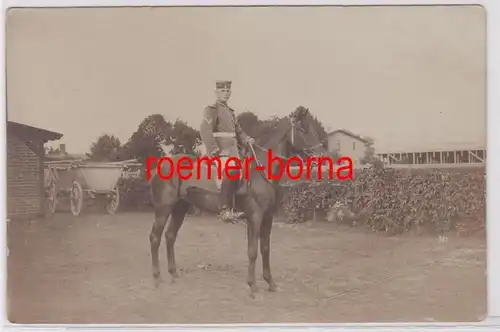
point(223, 84)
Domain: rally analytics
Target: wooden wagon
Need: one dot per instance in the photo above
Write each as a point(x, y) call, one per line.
point(77, 180)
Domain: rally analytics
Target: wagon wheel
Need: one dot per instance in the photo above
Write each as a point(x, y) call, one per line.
point(76, 198)
point(51, 197)
point(114, 201)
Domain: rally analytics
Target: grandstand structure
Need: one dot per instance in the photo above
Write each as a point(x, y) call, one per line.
point(465, 155)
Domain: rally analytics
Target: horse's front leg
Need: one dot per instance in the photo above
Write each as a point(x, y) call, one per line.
point(177, 218)
point(265, 250)
point(253, 233)
point(161, 217)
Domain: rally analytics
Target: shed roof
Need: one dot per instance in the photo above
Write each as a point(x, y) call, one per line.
point(30, 133)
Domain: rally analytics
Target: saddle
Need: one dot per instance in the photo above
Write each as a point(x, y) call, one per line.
point(242, 181)
point(208, 177)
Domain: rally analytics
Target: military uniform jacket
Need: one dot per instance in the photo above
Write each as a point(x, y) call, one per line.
point(219, 121)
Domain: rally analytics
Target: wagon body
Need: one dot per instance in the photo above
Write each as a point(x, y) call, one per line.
point(77, 180)
point(99, 178)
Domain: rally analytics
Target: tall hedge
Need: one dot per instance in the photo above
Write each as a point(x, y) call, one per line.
point(397, 200)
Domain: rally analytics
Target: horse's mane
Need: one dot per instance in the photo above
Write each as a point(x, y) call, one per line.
point(267, 136)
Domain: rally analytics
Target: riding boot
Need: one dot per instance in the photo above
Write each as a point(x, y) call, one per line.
point(228, 191)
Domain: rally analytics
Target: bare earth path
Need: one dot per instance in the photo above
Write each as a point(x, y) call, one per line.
point(97, 269)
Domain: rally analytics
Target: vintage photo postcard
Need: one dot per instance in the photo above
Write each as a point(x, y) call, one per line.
point(195, 165)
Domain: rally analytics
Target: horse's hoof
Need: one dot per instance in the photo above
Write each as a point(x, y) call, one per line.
point(158, 281)
point(273, 288)
point(253, 291)
point(256, 296)
point(174, 276)
point(253, 294)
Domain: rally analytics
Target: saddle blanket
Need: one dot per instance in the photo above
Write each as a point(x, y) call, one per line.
point(224, 162)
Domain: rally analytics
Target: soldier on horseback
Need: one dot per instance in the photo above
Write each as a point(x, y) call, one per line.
point(223, 137)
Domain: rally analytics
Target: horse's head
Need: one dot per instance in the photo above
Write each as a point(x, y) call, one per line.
point(302, 136)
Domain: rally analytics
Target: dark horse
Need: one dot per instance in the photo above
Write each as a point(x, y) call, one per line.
point(258, 195)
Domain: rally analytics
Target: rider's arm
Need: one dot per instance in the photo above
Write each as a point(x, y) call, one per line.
point(207, 129)
point(240, 134)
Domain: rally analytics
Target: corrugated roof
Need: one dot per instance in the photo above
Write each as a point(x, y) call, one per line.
point(30, 133)
point(442, 147)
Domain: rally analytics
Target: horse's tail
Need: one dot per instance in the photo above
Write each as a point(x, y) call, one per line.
point(175, 181)
point(152, 175)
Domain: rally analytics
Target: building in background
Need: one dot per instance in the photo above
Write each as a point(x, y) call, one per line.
point(456, 155)
point(60, 153)
point(25, 169)
point(348, 144)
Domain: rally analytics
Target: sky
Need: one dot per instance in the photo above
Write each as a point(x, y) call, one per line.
point(409, 77)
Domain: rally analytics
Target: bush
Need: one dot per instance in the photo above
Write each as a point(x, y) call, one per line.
point(134, 194)
point(396, 200)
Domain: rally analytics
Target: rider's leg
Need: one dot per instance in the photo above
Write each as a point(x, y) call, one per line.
point(229, 187)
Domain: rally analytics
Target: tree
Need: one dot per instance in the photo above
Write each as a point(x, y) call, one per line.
point(250, 123)
point(369, 157)
point(184, 138)
point(320, 131)
point(105, 148)
point(268, 124)
point(147, 139)
point(154, 132)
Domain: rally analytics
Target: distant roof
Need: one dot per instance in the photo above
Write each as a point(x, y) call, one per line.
point(29, 133)
point(430, 149)
point(54, 157)
point(348, 133)
point(436, 147)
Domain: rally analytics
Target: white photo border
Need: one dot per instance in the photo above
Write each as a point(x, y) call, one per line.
point(492, 8)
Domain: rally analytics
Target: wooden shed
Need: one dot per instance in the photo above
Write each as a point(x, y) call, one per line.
point(25, 164)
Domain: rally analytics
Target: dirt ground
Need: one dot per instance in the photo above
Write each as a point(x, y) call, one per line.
point(97, 269)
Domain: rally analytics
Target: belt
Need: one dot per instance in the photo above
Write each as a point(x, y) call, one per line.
point(224, 134)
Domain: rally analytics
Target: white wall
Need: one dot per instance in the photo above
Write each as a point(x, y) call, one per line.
point(347, 146)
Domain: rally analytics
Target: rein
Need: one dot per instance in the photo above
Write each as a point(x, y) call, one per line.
point(261, 167)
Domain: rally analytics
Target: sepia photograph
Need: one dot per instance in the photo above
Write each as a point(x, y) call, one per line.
point(246, 164)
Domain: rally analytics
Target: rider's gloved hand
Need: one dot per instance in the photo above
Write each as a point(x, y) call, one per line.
point(216, 152)
point(249, 140)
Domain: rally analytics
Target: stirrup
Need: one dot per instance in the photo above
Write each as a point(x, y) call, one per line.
point(228, 215)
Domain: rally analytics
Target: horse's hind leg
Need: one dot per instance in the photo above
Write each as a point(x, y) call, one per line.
point(265, 250)
point(177, 218)
point(161, 216)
